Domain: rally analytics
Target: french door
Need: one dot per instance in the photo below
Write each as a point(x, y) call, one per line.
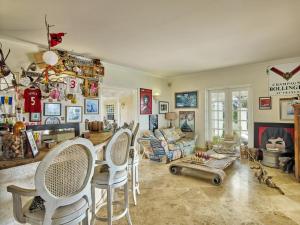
point(229, 112)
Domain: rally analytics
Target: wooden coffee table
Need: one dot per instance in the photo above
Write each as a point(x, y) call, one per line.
point(213, 169)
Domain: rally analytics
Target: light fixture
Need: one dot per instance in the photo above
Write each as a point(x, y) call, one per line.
point(156, 95)
point(50, 58)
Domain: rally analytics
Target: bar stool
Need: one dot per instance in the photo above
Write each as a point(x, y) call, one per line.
point(134, 165)
point(116, 158)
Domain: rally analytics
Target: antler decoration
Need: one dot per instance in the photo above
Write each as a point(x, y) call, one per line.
point(5, 70)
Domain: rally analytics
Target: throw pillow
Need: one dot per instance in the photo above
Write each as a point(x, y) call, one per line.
point(170, 135)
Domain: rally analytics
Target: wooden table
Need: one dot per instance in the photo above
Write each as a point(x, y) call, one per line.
point(213, 169)
point(99, 140)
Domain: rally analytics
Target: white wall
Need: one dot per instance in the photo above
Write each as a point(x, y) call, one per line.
point(123, 77)
point(252, 74)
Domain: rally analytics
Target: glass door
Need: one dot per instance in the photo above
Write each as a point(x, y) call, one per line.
point(229, 112)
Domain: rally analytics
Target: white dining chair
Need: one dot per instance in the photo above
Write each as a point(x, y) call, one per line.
point(134, 165)
point(116, 176)
point(63, 182)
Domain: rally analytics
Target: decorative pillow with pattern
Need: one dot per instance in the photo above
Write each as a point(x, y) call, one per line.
point(180, 133)
point(170, 135)
point(159, 135)
point(148, 134)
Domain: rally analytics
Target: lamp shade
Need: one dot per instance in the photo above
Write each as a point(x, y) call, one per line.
point(171, 116)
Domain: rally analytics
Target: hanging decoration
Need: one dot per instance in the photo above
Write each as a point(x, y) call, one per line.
point(5, 71)
point(56, 38)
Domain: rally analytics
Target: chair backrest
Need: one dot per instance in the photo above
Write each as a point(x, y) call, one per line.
point(117, 151)
point(134, 134)
point(64, 175)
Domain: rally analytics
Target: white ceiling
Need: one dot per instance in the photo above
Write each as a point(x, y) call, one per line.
point(165, 37)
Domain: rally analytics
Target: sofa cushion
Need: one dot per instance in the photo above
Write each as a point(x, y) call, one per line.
point(159, 135)
point(170, 135)
point(184, 142)
point(180, 133)
point(174, 146)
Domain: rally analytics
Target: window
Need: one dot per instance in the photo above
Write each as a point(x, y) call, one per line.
point(110, 112)
point(229, 112)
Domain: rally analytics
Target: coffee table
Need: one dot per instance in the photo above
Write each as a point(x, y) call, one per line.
point(212, 169)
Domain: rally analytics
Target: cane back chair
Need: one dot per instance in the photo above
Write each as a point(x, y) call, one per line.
point(116, 159)
point(63, 181)
point(134, 165)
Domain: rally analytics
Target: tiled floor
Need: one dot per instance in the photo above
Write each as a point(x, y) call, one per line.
point(187, 200)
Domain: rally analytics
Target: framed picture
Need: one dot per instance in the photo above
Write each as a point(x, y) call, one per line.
point(265, 132)
point(32, 143)
point(186, 99)
point(92, 89)
point(91, 106)
point(265, 103)
point(187, 121)
point(35, 117)
point(73, 114)
point(153, 122)
point(52, 109)
point(145, 101)
point(286, 108)
point(163, 107)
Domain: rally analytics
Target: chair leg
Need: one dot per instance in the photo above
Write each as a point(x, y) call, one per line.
point(133, 183)
point(127, 203)
point(93, 204)
point(109, 206)
point(137, 179)
point(85, 221)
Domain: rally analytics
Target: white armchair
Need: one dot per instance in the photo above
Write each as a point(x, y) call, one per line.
point(63, 181)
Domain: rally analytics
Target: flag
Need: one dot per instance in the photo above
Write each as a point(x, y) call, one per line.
point(56, 38)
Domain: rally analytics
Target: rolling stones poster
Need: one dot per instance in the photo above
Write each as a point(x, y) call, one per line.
point(284, 79)
point(145, 101)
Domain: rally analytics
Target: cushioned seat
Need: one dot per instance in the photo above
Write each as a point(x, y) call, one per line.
point(185, 142)
point(70, 211)
point(102, 178)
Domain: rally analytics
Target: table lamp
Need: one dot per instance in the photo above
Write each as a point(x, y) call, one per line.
point(171, 116)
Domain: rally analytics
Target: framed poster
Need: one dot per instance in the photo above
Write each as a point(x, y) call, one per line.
point(32, 143)
point(284, 79)
point(187, 121)
point(73, 114)
point(265, 103)
point(163, 107)
point(186, 99)
point(286, 108)
point(145, 101)
point(52, 109)
point(91, 106)
point(35, 117)
point(153, 122)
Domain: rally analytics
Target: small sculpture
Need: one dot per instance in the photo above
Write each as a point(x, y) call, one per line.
point(262, 174)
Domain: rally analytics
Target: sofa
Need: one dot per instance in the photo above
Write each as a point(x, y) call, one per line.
point(167, 144)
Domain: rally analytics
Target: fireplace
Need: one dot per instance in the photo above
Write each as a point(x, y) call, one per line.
point(263, 132)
